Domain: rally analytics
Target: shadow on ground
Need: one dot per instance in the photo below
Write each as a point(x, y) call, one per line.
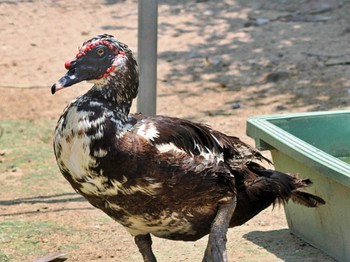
point(267, 48)
point(283, 245)
point(50, 199)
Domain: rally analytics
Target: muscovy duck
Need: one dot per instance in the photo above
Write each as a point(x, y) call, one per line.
point(158, 175)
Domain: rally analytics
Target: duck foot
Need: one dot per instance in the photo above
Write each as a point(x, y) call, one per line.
point(144, 243)
point(216, 248)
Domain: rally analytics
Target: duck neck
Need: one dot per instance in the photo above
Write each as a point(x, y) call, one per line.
point(119, 88)
point(115, 98)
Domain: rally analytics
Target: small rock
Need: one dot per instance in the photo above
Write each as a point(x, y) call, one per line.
point(249, 24)
point(280, 108)
point(262, 21)
point(276, 76)
point(257, 22)
point(210, 113)
point(222, 85)
point(236, 105)
point(208, 13)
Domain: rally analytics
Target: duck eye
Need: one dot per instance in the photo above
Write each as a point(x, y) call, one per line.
point(100, 52)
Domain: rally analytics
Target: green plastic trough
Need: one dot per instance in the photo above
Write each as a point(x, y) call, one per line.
point(317, 146)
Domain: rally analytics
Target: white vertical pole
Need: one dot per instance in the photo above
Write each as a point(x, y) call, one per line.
point(147, 56)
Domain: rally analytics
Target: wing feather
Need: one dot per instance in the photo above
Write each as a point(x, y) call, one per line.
point(195, 139)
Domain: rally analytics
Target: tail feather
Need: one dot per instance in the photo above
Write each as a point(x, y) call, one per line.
point(282, 186)
point(258, 188)
point(306, 199)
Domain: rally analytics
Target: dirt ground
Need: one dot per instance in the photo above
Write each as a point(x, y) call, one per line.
point(219, 62)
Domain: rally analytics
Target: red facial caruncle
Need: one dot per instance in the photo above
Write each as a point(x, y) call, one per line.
point(108, 72)
point(68, 64)
point(111, 68)
point(83, 50)
point(88, 47)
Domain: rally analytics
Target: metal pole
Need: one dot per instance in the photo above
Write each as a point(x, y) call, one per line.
point(147, 56)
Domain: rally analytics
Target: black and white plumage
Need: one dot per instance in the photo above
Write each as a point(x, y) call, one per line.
point(158, 175)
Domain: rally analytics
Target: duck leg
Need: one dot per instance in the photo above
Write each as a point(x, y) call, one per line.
point(144, 243)
point(216, 248)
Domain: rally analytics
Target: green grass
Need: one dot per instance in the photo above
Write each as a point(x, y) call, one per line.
point(28, 170)
point(28, 151)
point(24, 237)
point(3, 257)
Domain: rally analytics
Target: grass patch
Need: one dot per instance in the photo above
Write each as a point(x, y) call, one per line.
point(28, 162)
point(34, 196)
point(25, 238)
point(30, 180)
point(4, 257)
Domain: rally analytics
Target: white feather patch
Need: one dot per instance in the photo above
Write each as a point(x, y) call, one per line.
point(113, 206)
point(166, 147)
point(118, 187)
point(160, 225)
point(148, 131)
point(100, 152)
point(75, 146)
point(97, 185)
point(210, 155)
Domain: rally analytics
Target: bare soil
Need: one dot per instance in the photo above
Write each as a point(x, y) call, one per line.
point(219, 62)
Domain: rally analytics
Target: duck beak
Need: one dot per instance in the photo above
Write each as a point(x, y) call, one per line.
point(70, 78)
point(67, 80)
